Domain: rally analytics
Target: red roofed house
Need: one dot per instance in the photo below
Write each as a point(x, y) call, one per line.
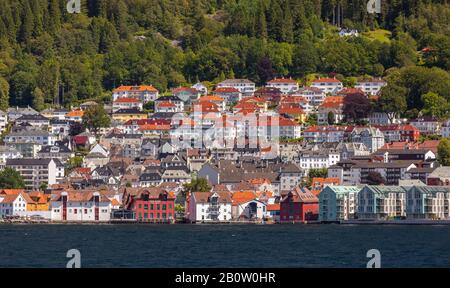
point(231, 95)
point(166, 107)
point(318, 184)
point(332, 105)
point(133, 126)
point(293, 111)
point(205, 107)
point(349, 91)
point(299, 206)
point(399, 132)
point(218, 100)
point(126, 103)
point(273, 211)
point(286, 86)
point(143, 93)
point(328, 85)
point(152, 205)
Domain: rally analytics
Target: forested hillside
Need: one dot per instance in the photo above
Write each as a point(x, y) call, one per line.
point(48, 56)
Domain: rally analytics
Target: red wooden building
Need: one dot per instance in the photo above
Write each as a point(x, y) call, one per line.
point(299, 205)
point(152, 205)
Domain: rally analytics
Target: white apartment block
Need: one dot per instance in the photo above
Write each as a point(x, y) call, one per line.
point(338, 203)
point(328, 85)
point(381, 202)
point(36, 172)
point(246, 87)
point(80, 207)
point(286, 86)
point(210, 207)
point(371, 87)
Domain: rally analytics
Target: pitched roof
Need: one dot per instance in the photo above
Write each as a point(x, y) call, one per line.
point(327, 80)
point(142, 88)
point(75, 113)
point(282, 80)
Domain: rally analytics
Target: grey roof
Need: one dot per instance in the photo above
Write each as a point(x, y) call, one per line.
point(32, 117)
point(441, 172)
point(383, 191)
point(31, 162)
point(236, 81)
point(163, 115)
point(129, 111)
point(154, 176)
point(169, 98)
point(62, 149)
point(125, 136)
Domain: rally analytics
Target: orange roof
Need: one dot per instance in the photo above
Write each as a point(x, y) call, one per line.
point(347, 91)
point(83, 170)
point(333, 102)
point(253, 100)
point(243, 197)
point(291, 110)
point(11, 191)
point(114, 202)
point(205, 106)
point(75, 113)
point(141, 88)
point(293, 99)
point(211, 98)
point(127, 100)
point(324, 181)
point(327, 80)
point(273, 207)
point(10, 198)
point(282, 80)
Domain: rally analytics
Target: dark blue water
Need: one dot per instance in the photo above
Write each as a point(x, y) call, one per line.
point(180, 246)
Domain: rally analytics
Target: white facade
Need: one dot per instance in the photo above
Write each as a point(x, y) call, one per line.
point(337, 203)
point(37, 171)
point(313, 160)
point(445, 129)
point(371, 87)
point(246, 87)
point(3, 121)
point(14, 207)
point(209, 210)
point(314, 96)
point(286, 86)
point(83, 210)
point(253, 209)
point(328, 85)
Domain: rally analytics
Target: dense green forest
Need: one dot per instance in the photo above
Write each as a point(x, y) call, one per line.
point(48, 56)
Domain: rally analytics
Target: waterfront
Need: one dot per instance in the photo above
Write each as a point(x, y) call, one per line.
point(243, 246)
